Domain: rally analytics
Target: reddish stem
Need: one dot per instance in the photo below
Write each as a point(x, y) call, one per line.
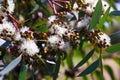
point(14, 21)
point(52, 5)
point(58, 4)
point(64, 1)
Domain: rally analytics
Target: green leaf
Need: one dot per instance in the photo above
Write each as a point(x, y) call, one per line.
point(85, 78)
point(43, 29)
point(39, 23)
point(96, 15)
point(115, 13)
point(113, 48)
point(115, 37)
point(73, 1)
point(85, 59)
point(112, 3)
point(90, 69)
point(22, 75)
point(69, 61)
point(57, 67)
point(103, 19)
point(110, 71)
point(11, 66)
point(97, 73)
point(117, 60)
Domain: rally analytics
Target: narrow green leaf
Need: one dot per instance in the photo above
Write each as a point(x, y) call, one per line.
point(97, 73)
point(22, 75)
point(96, 15)
point(115, 37)
point(39, 23)
point(113, 48)
point(69, 61)
point(103, 19)
point(57, 67)
point(110, 71)
point(112, 3)
point(73, 1)
point(11, 66)
point(101, 66)
point(90, 69)
point(115, 13)
point(85, 59)
point(43, 29)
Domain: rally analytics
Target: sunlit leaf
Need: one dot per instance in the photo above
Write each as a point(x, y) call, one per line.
point(113, 48)
point(112, 3)
point(103, 19)
point(22, 75)
point(96, 15)
point(85, 59)
point(11, 66)
point(117, 60)
point(90, 69)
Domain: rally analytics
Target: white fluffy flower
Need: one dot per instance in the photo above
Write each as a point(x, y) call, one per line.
point(51, 19)
point(106, 38)
point(89, 9)
point(54, 40)
point(1, 12)
point(58, 29)
point(105, 5)
point(92, 4)
point(75, 6)
point(29, 47)
point(1, 28)
point(103, 39)
point(76, 14)
point(84, 22)
point(17, 36)
point(7, 26)
point(23, 29)
point(11, 6)
point(61, 45)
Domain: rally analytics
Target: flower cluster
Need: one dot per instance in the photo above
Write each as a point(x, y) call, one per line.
point(65, 29)
point(21, 39)
point(65, 26)
point(99, 38)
